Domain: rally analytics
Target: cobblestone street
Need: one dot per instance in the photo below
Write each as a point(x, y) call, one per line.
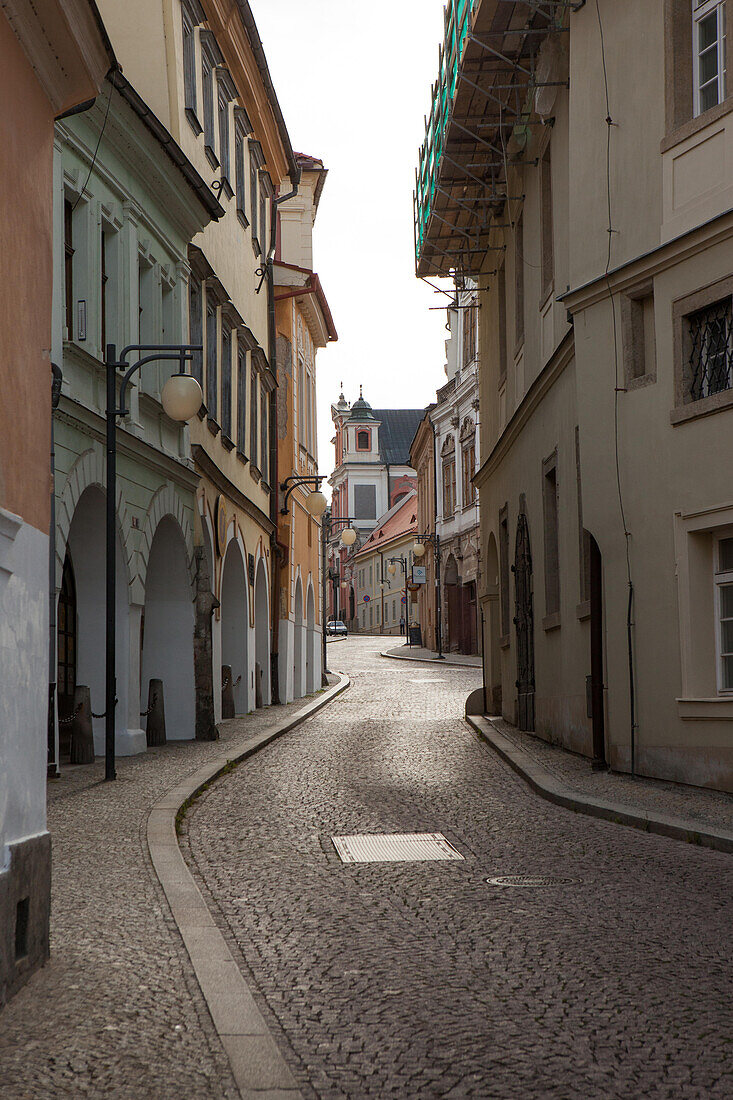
point(423, 980)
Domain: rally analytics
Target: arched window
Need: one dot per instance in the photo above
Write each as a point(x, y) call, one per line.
point(363, 441)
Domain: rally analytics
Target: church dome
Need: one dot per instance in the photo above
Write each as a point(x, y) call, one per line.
point(361, 409)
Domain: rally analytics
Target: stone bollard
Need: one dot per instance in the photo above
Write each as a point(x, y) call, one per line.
point(155, 727)
point(258, 686)
point(227, 692)
point(81, 749)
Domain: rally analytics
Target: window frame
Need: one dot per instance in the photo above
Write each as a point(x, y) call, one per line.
point(722, 578)
point(702, 10)
point(686, 406)
point(226, 381)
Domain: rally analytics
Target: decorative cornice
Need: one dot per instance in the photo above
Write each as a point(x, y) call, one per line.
point(208, 468)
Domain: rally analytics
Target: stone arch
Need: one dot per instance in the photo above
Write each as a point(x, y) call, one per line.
point(234, 619)
point(299, 641)
point(165, 502)
point(89, 469)
point(311, 647)
point(262, 626)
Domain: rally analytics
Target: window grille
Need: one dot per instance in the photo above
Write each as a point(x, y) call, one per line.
point(711, 350)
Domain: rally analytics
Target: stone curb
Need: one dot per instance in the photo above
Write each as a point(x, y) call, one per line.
point(259, 1068)
point(445, 663)
point(545, 784)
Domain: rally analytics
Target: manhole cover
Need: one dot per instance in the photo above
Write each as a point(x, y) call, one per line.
point(393, 847)
point(530, 880)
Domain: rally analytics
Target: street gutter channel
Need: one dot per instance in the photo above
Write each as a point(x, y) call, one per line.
point(259, 1068)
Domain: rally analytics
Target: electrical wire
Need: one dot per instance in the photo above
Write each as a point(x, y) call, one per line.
point(618, 390)
point(94, 158)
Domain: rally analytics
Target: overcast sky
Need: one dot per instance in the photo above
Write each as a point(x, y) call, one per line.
point(354, 82)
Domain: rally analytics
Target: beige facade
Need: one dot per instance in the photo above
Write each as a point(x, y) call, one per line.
point(201, 68)
point(607, 386)
point(382, 571)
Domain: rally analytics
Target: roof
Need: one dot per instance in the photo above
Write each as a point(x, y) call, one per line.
point(396, 433)
point(400, 520)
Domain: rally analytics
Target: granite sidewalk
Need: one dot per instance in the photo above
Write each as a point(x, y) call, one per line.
point(692, 814)
point(420, 653)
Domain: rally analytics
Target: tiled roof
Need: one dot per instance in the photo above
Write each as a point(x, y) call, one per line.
point(396, 433)
point(400, 520)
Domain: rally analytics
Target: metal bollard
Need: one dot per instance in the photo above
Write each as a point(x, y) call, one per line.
point(81, 749)
point(227, 692)
point(155, 727)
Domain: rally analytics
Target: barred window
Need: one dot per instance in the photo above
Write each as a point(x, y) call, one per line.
point(711, 349)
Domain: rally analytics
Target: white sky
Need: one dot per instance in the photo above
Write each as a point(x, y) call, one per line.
point(353, 80)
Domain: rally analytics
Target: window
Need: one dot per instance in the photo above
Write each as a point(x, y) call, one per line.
point(103, 293)
point(552, 546)
point(501, 327)
point(223, 98)
point(226, 381)
point(469, 335)
point(241, 400)
point(708, 54)
point(362, 441)
point(255, 159)
point(189, 67)
point(710, 333)
point(69, 267)
point(264, 449)
point(241, 128)
point(195, 327)
point(449, 488)
point(469, 469)
point(253, 404)
point(724, 587)
point(262, 234)
point(519, 278)
point(146, 302)
point(211, 366)
point(639, 337)
point(548, 263)
point(365, 501)
point(302, 431)
point(208, 62)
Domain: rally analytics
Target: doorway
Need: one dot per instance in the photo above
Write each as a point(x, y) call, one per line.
point(597, 698)
point(66, 644)
point(524, 623)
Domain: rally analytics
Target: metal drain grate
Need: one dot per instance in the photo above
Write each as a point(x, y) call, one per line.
point(530, 881)
point(394, 848)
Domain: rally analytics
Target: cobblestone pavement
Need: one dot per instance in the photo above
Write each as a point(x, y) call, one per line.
point(117, 1011)
point(422, 980)
point(713, 808)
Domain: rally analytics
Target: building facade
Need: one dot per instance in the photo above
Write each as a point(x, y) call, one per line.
point(382, 571)
point(304, 324)
point(422, 458)
point(54, 58)
point(202, 70)
point(606, 374)
point(371, 475)
point(124, 220)
point(457, 453)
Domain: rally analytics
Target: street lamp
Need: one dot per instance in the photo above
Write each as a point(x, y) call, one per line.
point(315, 502)
point(181, 399)
point(392, 564)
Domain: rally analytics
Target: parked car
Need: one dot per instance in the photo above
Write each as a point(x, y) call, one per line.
point(335, 627)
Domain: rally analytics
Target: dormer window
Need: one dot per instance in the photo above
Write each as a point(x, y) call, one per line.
point(363, 440)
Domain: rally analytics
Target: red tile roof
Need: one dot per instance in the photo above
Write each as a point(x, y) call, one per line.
point(400, 521)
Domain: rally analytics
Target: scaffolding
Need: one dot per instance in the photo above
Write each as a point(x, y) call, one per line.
point(489, 71)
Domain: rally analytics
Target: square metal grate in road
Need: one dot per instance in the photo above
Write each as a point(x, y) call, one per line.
point(394, 848)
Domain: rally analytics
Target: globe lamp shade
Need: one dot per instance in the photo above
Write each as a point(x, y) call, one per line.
point(316, 504)
point(418, 550)
point(348, 536)
point(392, 568)
point(181, 397)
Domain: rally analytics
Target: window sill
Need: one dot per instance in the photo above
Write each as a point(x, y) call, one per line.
point(243, 218)
point(640, 382)
point(212, 425)
point(719, 708)
point(242, 457)
point(706, 406)
point(226, 187)
point(582, 611)
point(551, 622)
point(227, 442)
point(695, 125)
point(211, 156)
point(505, 641)
point(256, 246)
point(193, 121)
point(254, 473)
point(546, 295)
point(203, 411)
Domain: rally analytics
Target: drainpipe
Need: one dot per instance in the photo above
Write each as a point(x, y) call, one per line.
point(53, 771)
point(276, 548)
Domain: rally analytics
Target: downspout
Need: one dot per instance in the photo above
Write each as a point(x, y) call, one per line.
point(278, 550)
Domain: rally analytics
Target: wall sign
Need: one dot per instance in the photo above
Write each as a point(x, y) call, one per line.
point(367, 599)
point(419, 574)
point(221, 525)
